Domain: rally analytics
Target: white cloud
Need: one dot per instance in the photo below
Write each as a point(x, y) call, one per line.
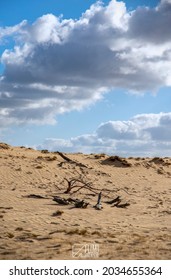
point(151, 25)
point(118, 130)
point(12, 30)
point(142, 135)
point(165, 1)
point(59, 65)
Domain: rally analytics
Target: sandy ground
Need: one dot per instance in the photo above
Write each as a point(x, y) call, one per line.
point(33, 227)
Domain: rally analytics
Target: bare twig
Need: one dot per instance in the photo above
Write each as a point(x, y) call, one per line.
point(78, 184)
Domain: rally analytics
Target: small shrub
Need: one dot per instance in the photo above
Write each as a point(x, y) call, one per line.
point(4, 146)
point(51, 158)
point(44, 151)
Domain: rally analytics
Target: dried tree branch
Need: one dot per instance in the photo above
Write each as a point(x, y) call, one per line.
point(70, 160)
point(73, 184)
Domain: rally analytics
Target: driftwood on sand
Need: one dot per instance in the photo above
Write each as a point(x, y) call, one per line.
point(75, 202)
point(78, 203)
point(35, 196)
point(70, 160)
point(116, 202)
point(81, 204)
point(98, 205)
point(121, 205)
point(79, 183)
point(60, 200)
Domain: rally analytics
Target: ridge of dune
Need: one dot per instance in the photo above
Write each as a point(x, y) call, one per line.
point(34, 226)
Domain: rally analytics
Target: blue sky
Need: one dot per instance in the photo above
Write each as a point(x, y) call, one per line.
point(86, 76)
point(14, 11)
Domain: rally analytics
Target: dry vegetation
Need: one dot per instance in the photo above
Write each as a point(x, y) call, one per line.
point(47, 205)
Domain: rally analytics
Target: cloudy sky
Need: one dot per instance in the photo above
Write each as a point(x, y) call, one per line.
point(86, 76)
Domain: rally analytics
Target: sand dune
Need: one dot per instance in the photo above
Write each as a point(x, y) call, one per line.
point(34, 226)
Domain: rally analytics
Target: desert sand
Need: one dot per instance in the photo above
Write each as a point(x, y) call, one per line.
point(34, 226)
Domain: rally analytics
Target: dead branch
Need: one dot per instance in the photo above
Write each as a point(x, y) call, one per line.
point(78, 184)
point(123, 205)
point(98, 205)
point(76, 202)
point(116, 202)
point(81, 204)
point(113, 200)
point(35, 196)
point(60, 200)
point(70, 160)
point(64, 157)
point(89, 188)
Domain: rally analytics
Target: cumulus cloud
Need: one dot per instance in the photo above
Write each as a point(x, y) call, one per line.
point(118, 130)
point(11, 30)
point(58, 65)
point(142, 135)
point(152, 25)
